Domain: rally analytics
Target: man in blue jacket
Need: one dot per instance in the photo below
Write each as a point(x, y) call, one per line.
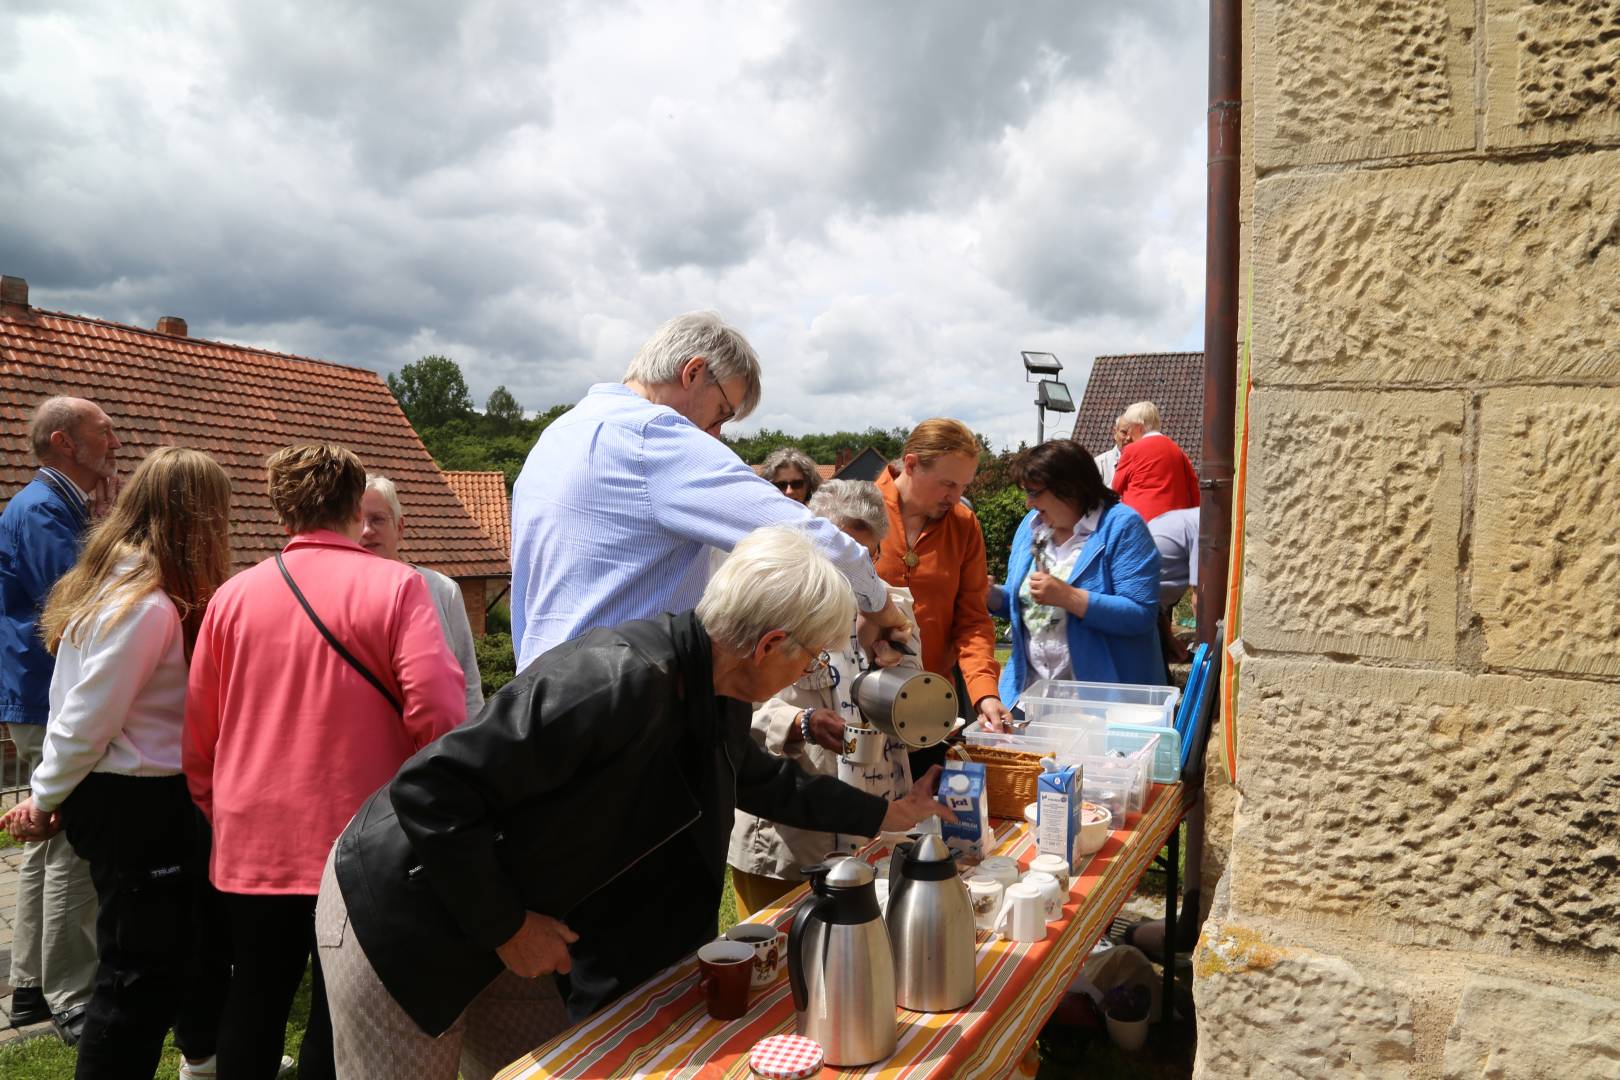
point(53, 957)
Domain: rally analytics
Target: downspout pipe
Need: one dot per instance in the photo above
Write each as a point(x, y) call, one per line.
point(1220, 310)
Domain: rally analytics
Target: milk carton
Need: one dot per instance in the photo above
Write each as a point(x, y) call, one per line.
point(961, 787)
point(1057, 796)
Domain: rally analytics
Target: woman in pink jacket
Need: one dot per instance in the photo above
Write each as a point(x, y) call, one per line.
point(316, 674)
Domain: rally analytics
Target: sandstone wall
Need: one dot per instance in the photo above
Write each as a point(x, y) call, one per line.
point(1424, 867)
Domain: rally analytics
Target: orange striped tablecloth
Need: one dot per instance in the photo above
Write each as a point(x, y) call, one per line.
point(662, 1028)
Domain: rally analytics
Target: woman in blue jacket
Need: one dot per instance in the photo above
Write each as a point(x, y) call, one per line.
point(1082, 588)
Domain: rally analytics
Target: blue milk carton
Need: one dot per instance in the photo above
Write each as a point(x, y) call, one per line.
point(1057, 797)
point(961, 787)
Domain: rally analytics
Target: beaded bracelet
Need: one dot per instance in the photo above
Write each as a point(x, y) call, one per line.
point(804, 725)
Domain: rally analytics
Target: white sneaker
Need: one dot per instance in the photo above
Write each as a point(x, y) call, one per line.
point(207, 1070)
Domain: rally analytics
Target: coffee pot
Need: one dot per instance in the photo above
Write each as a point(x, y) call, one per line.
point(916, 707)
point(931, 925)
point(840, 966)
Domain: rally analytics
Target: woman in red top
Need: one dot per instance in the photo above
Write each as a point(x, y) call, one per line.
point(1153, 476)
point(284, 737)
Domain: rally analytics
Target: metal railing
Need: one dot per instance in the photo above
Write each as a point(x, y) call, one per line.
point(13, 780)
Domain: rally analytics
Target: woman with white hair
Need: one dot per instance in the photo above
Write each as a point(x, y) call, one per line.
point(579, 825)
point(806, 723)
point(791, 472)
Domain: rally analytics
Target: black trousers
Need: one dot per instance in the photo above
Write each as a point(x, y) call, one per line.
point(160, 952)
point(272, 938)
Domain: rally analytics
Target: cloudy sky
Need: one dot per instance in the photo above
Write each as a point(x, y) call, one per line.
point(890, 199)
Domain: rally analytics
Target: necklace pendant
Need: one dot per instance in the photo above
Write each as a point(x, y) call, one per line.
point(910, 560)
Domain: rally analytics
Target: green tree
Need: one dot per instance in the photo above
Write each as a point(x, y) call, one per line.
point(432, 391)
point(502, 407)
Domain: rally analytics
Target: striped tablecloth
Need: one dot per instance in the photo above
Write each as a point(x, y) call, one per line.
point(662, 1028)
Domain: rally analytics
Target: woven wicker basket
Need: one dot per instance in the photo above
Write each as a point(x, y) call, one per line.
point(1010, 777)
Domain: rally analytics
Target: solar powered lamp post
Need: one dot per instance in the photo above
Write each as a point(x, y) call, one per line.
point(1049, 392)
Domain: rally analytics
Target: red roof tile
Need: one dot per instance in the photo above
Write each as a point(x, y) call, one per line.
point(238, 404)
point(484, 496)
point(1172, 381)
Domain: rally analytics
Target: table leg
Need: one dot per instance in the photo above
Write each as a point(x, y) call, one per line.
point(1172, 890)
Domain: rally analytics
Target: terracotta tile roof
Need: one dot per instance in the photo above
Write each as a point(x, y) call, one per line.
point(238, 404)
point(1172, 381)
point(484, 496)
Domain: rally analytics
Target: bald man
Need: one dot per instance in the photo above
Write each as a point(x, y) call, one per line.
point(53, 952)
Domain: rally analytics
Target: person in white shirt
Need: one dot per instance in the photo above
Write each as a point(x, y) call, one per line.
point(121, 623)
point(382, 526)
point(623, 497)
point(1108, 460)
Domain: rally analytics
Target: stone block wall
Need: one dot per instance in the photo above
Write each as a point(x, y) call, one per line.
point(1424, 867)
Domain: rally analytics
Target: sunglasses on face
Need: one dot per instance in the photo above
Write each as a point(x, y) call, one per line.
point(785, 486)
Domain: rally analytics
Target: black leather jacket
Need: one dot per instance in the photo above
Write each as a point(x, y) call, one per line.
point(606, 749)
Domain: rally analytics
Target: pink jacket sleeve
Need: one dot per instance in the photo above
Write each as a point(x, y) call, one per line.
point(431, 681)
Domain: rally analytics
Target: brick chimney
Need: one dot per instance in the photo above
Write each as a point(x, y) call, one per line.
point(14, 291)
point(844, 457)
point(173, 325)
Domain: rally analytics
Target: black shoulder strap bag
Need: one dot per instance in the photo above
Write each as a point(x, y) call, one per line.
point(348, 657)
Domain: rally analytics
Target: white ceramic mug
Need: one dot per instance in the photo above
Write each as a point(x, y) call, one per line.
point(1022, 916)
point(770, 950)
point(1056, 865)
point(986, 896)
point(1052, 894)
point(1000, 867)
point(863, 745)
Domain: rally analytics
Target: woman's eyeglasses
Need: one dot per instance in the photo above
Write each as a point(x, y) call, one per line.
point(785, 486)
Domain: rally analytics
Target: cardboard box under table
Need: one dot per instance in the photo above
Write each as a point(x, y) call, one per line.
point(661, 1028)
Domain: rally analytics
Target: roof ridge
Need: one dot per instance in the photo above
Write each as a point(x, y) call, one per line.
point(170, 338)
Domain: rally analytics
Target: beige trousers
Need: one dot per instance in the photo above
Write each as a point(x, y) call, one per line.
point(53, 942)
point(373, 1037)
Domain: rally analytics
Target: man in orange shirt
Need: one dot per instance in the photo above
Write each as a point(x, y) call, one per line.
point(935, 548)
point(1154, 476)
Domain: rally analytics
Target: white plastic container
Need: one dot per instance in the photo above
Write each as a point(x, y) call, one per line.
point(1085, 704)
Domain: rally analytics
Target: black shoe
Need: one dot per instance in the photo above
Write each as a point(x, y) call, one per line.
point(70, 1025)
point(28, 1006)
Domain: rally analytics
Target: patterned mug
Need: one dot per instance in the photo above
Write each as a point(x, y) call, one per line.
point(770, 949)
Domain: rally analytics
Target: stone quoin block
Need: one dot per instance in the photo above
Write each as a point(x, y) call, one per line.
point(1478, 812)
point(1353, 509)
point(1506, 1027)
point(1552, 71)
point(1546, 580)
point(1268, 1009)
point(1345, 80)
point(1440, 273)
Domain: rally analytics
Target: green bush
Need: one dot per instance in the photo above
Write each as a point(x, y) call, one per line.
point(999, 515)
point(497, 664)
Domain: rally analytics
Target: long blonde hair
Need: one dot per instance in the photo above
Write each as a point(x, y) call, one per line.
point(172, 518)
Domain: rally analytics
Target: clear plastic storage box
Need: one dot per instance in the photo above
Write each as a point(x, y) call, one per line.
point(1129, 739)
point(1058, 701)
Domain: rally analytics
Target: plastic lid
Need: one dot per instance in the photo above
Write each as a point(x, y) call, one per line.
point(785, 1057)
point(960, 782)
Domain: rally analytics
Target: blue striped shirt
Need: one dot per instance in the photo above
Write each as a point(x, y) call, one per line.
point(615, 512)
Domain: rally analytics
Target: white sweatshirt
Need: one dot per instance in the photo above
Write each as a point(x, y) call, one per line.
point(118, 700)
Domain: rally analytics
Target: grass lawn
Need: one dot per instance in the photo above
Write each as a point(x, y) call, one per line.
point(46, 1058)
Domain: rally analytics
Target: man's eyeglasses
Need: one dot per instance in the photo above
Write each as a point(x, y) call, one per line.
point(731, 410)
point(785, 486)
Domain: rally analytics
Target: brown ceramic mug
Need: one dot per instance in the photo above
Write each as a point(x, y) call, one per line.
point(724, 971)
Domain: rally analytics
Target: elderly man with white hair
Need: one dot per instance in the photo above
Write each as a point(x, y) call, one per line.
point(382, 527)
point(580, 824)
point(623, 497)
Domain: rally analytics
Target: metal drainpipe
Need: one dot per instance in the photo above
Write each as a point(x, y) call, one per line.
point(1220, 308)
